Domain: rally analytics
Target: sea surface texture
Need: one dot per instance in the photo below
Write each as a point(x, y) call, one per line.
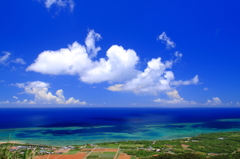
point(75, 126)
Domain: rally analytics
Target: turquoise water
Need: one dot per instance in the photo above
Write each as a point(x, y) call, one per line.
point(76, 126)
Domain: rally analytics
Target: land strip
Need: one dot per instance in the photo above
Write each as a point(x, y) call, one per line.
point(204, 145)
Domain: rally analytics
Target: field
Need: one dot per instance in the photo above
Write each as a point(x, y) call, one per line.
point(124, 156)
point(75, 156)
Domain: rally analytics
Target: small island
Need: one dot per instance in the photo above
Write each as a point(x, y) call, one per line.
point(214, 146)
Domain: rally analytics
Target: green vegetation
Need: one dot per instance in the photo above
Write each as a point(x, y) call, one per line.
point(179, 156)
point(88, 146)
point(71, 152)
point(215, 145)
point(229, 156)
point(96, 153)
point(216, 142)
point(106, 145)
point(195, 156)
point(140, 153)
point(212, 146)
point(128, 147)
point(7, 153)
point(109, 153)
point(93, 156)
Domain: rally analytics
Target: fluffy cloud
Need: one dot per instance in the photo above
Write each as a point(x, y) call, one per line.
point(43, 96)
point(25, 101)
point(214, 101)
point(74, 101)
point(119, 67)
point(174, 94)
point(174, 99)
point(169, 44)
point(154, 79)
point(71, 60)
point(115, 88)
point(76, 59)
point(4, 58)
point(59, 3)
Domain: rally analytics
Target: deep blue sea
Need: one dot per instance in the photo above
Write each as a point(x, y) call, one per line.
point(71, 126)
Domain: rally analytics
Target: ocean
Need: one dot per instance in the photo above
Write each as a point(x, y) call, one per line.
point(76, 126)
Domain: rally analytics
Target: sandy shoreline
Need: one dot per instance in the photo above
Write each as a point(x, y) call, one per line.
point(12, 142)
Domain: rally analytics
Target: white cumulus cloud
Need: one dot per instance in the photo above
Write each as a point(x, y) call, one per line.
point(43, 96)
point(154, 79)
point(116, 87)
point(74, 101)
point(214, 101)
point(174, 94)
point(71, 60)
point(118, 67)
point(165, 39)
point(25, 101)
point(76, 59)
point(174, 99)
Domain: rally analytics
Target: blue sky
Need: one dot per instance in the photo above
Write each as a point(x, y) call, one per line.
point(119, 53)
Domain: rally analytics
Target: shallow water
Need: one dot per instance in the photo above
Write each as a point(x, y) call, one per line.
point(71, 126)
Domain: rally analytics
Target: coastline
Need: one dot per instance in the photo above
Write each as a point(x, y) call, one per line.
point(75, 140)
point(204, 146)
point(80, 126)
point(12, 142)
point(21, 142)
